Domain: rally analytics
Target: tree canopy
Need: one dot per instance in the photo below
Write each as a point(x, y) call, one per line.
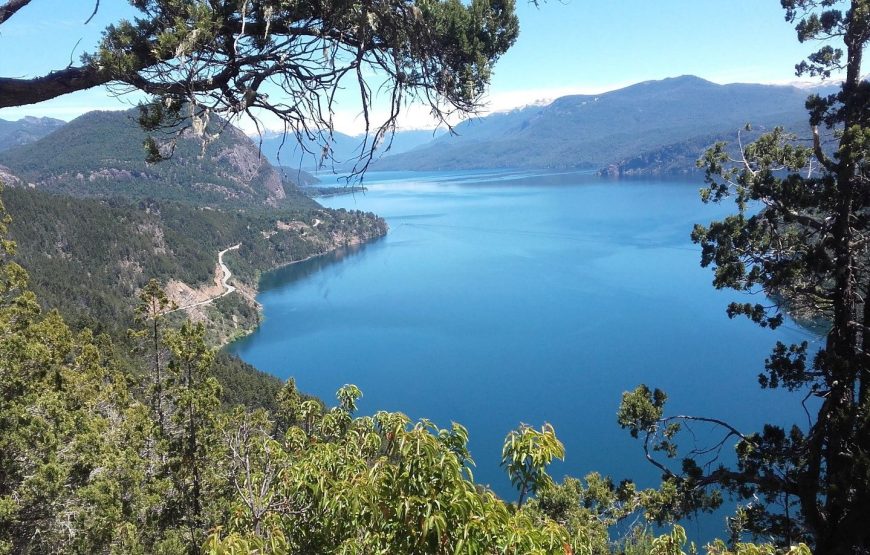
point(198, 58)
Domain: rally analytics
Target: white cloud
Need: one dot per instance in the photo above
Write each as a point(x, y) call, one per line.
point(508, 100)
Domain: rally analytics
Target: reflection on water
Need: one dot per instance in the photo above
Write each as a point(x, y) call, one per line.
point(302, 269)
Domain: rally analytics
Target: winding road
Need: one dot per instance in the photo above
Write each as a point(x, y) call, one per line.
point(224, 281)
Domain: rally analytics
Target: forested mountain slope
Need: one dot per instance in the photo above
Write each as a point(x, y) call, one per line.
point(89, 257)
point(101, 154)
point(94, 223)
point(680, 157)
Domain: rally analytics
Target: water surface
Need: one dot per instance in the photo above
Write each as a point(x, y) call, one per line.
point(499, 298)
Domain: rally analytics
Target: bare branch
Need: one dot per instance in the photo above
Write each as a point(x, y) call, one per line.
point(722, 423)
point(18, 92)
point(94, 13)
point(8, 9)
point(820, 154)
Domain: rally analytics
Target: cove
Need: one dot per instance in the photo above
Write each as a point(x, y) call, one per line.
point(506, 297)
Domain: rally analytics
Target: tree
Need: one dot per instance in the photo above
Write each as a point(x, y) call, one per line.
point(62, 454)
point(526, 455)
point(195, 399)
point(197, 58)
point(288, 408)
point(801, 237)
point(150, 314)
point(378, 484)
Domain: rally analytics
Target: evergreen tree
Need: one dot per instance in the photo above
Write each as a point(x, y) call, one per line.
point(807, 250)
point(150, 314)
point(194, 396)
point(59, 398)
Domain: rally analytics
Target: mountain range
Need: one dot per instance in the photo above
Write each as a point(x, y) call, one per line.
point(655, 126)
point(100, 154)
point(26, 130)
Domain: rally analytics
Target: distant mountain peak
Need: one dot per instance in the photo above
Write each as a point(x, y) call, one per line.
point(35, 119)
point(534, 104)
point(26, 130)
point(689, 78)
point(41, 120)
point(671, 82)
point(686, 78)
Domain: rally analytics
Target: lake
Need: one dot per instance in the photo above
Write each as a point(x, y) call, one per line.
point(504, 297)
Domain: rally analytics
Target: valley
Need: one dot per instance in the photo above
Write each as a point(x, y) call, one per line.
point(197, 313)
point(434, 277)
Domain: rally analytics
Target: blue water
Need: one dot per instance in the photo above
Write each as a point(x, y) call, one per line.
point(499, 298)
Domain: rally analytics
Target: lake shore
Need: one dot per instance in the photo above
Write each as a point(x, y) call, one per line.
point(250, 291)
point(227, 303)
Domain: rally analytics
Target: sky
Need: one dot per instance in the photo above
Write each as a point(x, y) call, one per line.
point(565, 47)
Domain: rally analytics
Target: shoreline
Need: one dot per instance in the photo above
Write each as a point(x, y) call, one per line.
point(253, 290)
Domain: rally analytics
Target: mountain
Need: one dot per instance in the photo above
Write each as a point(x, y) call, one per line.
point(681, 157)
point(26, 130)
point(405, 141)
point(94, 222)
point(101, 154)
point(88, 257)
point(292, 153)
point(289, 153)
point(594, 131)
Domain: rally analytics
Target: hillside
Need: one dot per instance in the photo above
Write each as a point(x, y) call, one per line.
point(94, 222)
point(100, 154)
point(26, 130)
point(89, 257)
point(595, 131)
point(681, 157)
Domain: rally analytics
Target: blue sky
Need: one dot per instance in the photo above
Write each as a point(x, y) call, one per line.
point(570, 46)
